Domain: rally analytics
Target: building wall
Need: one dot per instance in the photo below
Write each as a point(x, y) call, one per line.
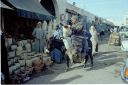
point(62, 5)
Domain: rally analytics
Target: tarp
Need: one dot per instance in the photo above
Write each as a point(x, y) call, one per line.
point(31, 9)
point(2, 5)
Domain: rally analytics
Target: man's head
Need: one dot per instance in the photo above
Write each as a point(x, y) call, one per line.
point(39, 25)
point(74, 19)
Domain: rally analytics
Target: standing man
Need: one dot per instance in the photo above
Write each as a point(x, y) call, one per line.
point(39, 38)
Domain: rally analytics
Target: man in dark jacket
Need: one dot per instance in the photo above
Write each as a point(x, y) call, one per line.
point(87, 36)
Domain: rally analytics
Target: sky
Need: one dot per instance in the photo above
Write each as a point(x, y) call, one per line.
point(108, 9)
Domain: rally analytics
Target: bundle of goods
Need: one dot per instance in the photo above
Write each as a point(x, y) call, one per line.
point(28, 47)
point(22, 61)
point(24, 42)
point(56, 55)
point(19, 50)
point(38, 65)
point(9, 42)
point(49, 62)
point(114, 39)
point(11, 54)
point(13, 47)
point(20, 43)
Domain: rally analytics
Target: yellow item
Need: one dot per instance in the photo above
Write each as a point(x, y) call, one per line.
point(126, 72)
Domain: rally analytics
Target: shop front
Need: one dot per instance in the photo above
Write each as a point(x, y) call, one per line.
point(17, 26)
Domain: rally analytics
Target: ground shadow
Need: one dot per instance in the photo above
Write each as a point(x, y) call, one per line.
point(105, 62)
point(51, 74)
point(101, 53)
point(44, 72)
point(64, 81)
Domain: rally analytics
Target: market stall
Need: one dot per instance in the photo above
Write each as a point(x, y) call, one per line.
point(19, 24)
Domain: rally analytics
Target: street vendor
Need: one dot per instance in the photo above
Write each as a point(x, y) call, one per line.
point(39, 38)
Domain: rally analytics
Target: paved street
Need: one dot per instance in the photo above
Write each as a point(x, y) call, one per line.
point(106, 69)
point(35, 32)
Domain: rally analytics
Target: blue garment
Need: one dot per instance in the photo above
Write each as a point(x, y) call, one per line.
point(39, 39)
point(56, 55)
point(86, 44)
point(87, 35)
point(38, 33)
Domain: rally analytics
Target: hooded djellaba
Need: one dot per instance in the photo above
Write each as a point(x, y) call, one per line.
point(94, 39)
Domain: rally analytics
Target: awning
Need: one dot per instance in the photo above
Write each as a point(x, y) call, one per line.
point(31, 9)
point(2, 5)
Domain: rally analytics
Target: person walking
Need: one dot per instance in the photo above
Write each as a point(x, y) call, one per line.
point(88, 47)
point(94, 39)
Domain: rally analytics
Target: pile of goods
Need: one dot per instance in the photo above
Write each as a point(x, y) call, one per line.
point(22, 61)
point(114, 39)
point(38, 65)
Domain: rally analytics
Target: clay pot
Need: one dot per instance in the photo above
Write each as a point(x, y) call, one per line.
point(20, 43)
point(38, 65)
point(17, 71)
point(12, 69)
point(10, 63)
point(29, 63)
point(24, 42)
point(49, 63)
point(35, 58)
point(19, 48)
point(17, 65)
point(24, 56)
point(22, 62)
point(31, 53)
point(13, 47)
point(37, 69)
point(29, 70)
point(19, 52)
point(9, 41)
point(22, 68)
point(11, 54)
point(28, 47)
point(29, 57)
point(14, 59)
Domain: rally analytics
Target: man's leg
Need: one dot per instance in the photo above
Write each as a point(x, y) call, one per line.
point(91, 58)
point(36, 45)
point(86, 59)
